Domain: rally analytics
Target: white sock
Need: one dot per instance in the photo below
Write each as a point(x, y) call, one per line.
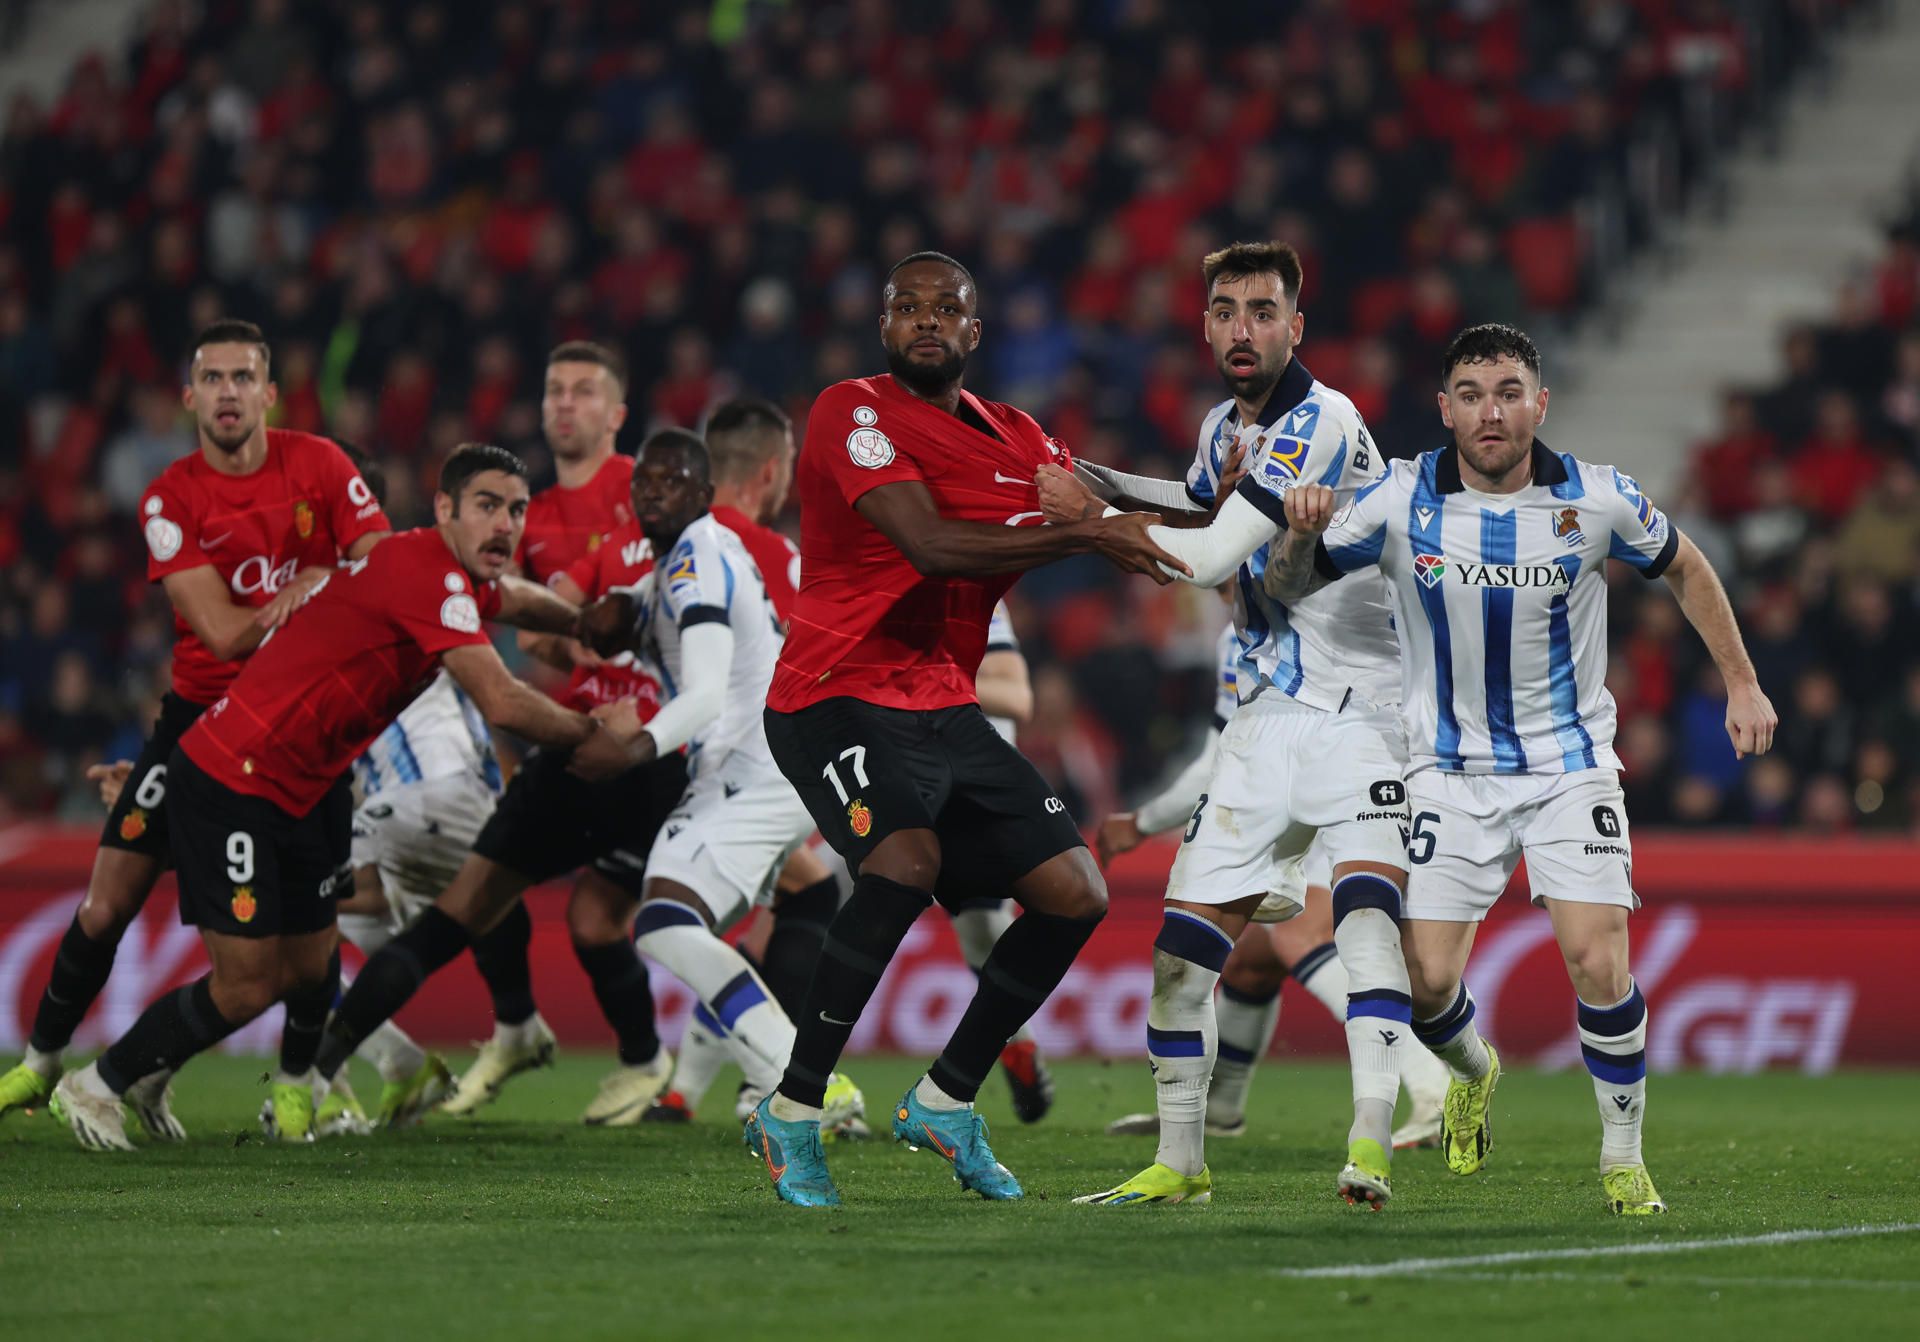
point(1245, 1026)
point(703, 1052)
point(792, 1111)
point(1453, 1038)
point(46, 1064)
point(759, 1034)
point(1320, 972)
point(392, 1052)
point(1183, 1034)
point(977, 929)
point(1379, 1023)
point(935, 1098)
point(1613, 1041)
point(517, 1036)
point(366, 933)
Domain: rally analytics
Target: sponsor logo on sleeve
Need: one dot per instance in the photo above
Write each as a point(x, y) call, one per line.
point(869, 449)
point(360, 494)
point(460, 613)
point(163, 537)
point(1284, 460)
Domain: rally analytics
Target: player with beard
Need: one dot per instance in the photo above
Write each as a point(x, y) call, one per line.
point(260, 780)
point(1314, 748)
point(918, 509)
point(238, 534)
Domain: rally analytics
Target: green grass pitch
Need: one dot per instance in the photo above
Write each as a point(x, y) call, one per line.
point(523, 1224)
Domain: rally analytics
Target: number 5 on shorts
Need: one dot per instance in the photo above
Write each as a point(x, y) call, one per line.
point(857, 756)
point(1421, 842)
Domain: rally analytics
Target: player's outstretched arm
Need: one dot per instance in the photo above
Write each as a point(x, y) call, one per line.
point(1291, 574)
point(510, 704)
point(528, 605)
point(308, 582)
point(626, 743)
point(226, 629)
point(1750, 716)
point(1089, 489)
point(941, 546)
point(558, 650)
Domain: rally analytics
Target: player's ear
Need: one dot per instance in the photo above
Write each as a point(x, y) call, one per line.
point(1446, 409)
point(973, 341)
point(186, 396)
point(1299, 325)
point(272, 396)
point(617, 420)
point(1540, 409)
point(443, 509)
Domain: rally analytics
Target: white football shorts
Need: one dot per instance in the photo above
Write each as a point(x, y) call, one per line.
point(730, 835)
point(417, 835)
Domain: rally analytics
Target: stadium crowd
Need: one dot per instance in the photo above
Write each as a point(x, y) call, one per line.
point(418, 200)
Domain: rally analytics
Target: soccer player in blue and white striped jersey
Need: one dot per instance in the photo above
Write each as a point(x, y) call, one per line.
point(1493, 549)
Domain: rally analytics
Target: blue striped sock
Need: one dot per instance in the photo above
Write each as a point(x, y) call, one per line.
point(1613, 1043)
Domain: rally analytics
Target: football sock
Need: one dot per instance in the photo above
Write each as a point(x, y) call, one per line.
point(1366, 929)
point(622, 987)
point(80, 971)
point(1026, 965)
point(759, 1033)
point(1320, 972)
point(1452, 1038)
point(1613, 1040)
point(703, 1052)
point(176, 1027)
point(365, 931)
point(1182, 1033)
point(793, 948)
point(977, 927)
point(387, 982)
point(929, 1093)
point(501, 957)
point(1246, 1022)
point(392, 1052)
point(860, 942)
point(307, 1008)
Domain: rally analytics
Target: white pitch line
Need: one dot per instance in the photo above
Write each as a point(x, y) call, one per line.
point(1404, 1266)
point(1717, 1283)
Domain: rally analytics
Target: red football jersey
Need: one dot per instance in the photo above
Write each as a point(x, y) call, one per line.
point(334, 676)
point(621, 560)
point(866, 624)
point(564, 525)
point(303, 508)
point(777, 558)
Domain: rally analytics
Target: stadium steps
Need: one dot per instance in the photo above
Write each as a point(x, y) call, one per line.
point(1707, 310)
point(58, 33)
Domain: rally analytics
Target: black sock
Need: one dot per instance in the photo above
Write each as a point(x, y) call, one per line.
point(858, 946)
point(79, 973)
point(386, 982)
point(799, 930)
point(621, 986)
point(1025, 967)
point(307, 1009)
point(501, 956)
point(177, 1026)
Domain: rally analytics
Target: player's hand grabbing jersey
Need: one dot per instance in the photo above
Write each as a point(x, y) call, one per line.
point(331, 680)
point(303, 508)
point(621, 560)
point(866, 623)
point(1501, 605)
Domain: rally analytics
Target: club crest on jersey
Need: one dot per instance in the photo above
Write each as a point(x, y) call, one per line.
point(1566, 525)
point(859, 818)
point(1430, 569)
point(460, 613)
point(244, 904)
point(133, 825)
point(163, 537)
point(869, 448)
point(303, 519)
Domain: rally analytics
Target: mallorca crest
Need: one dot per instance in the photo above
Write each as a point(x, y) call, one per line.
point(859, 818)
point(244, 905)
point(1430, 569)
point(1566, 525)
point(303, 519)
point(133, 825)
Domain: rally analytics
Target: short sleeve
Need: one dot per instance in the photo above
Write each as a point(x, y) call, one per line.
point(1000, 635)
point(443, 609)
point(171, 530)
point(1203, 476)
point(696, 582)
point(1358, 534)
point(1641, 535)
point(849, 437)
point(351, 505)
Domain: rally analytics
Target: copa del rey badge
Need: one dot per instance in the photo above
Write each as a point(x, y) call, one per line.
point(867, 446)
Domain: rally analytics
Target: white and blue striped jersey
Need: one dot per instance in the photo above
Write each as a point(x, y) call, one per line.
point(1001, 638)
point(439, 735)
point(1226, 679)
point(1502, 605)
point(1339, 638)
point(709, 576)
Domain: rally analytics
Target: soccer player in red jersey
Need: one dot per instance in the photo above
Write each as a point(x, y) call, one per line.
point(581, 411)
point(917, 510)
point(262, 776)
point(238, 533)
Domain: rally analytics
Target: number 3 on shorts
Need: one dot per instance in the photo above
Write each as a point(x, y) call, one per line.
point(239, 857)
point(1193, 824)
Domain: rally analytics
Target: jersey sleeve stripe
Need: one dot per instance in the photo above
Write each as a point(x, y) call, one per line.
point(1500, 543)
point(1269, 504)
point(693, 615)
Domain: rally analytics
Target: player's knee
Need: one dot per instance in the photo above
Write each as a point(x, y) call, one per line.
point(590, 923)
point(1432, 986)
point(1252, 975)
point(245, 996)
point(104, 919)
point(1598, 968)
point(908, 857)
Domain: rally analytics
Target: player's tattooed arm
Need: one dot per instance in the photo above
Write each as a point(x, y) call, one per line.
point(941, 546)
point(1291, 574)
point(1751, 719)
point(511, 704)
